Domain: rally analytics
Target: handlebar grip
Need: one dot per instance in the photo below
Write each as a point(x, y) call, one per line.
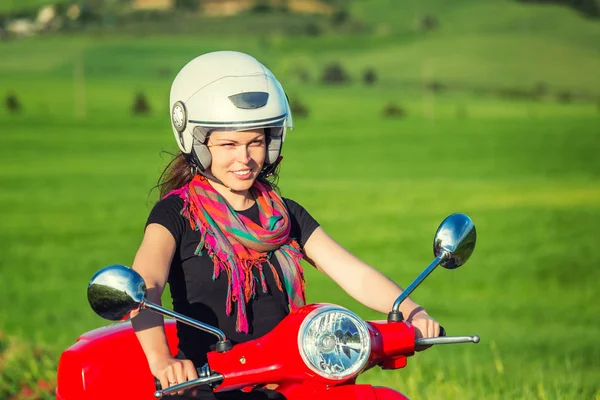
point(442, 331)
point(159, 386)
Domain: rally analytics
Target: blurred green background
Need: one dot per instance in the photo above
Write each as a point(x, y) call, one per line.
point(405, 112)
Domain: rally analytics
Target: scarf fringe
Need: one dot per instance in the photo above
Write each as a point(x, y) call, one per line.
point(240, 289)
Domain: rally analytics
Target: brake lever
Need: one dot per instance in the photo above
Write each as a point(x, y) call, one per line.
point(189, 384)
point(446, 340)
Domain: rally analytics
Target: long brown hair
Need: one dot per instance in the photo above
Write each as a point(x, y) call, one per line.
point(178, 172)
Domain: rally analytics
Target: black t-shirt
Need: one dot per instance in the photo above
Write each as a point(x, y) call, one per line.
point(195, 293)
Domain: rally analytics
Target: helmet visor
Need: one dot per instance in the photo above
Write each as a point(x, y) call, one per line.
point(274, 128)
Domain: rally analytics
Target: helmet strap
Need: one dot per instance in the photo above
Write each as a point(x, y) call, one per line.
point(196, 168)
point(209, 176)
point(269, 170)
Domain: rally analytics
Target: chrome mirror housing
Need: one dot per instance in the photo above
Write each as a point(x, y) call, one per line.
point(115, 291)
point(455, 240)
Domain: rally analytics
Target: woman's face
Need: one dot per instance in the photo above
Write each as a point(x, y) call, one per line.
point(237, 157)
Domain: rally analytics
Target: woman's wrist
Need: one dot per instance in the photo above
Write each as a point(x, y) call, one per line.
point(418, 310)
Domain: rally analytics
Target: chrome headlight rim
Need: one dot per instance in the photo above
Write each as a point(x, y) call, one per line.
point(364, 335)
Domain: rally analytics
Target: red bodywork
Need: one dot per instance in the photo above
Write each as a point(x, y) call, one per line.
point(111, 361)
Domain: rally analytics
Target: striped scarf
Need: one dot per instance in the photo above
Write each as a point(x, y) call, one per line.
point(237, 245)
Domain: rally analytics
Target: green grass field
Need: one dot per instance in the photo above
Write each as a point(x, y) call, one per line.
point(76, 169)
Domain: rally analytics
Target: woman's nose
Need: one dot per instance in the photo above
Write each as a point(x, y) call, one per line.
point(243, 155)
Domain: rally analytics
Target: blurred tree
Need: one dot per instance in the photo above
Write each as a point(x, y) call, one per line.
point(262, 6)
point(268, 6)
point(103, 11)
point(564, 96)
point(340, 17)
point(428, 22)
point(370, 76)
point(516, 93)
point(392, 110)
point(434, 86)
point(90, 12)
point(12, 103)
point(540, 90)
point(187, 5)
point(313, 29)
point(140, 105)
point(164, 72)
point(299, 109)
point(589, 8)
point(334, 73)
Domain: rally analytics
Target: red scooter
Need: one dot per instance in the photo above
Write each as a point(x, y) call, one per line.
point(316, 352)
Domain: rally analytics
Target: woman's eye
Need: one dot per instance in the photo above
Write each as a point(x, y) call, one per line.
point(227, 145)
point(257, 143)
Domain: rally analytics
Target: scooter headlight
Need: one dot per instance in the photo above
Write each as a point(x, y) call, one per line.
point(334, 342)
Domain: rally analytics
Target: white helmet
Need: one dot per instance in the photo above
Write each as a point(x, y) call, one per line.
point(227, 90)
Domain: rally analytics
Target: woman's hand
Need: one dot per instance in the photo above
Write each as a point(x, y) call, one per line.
point(425, 326)
point(172, 371)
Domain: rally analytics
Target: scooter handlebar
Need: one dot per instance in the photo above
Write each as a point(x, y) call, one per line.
point(199, 371)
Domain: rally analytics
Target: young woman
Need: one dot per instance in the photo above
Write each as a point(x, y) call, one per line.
point(228, 245)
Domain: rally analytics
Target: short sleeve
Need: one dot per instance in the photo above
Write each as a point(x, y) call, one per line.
point(167, 212)
point(303, 224)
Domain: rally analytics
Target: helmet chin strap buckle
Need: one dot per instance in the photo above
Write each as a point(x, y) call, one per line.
point(270, 169)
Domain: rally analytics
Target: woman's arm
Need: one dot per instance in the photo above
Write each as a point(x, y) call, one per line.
point(152, 262)
point(363, 282)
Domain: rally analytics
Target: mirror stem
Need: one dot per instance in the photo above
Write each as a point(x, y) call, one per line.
point(396, 315)
point(181, 318)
